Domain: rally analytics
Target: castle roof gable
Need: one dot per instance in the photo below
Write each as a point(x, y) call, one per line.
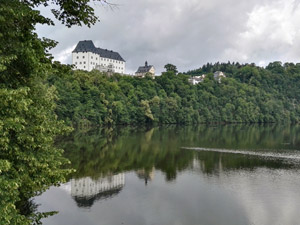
point(88, 46)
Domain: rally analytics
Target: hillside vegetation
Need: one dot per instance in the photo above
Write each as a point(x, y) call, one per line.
point(248, 94)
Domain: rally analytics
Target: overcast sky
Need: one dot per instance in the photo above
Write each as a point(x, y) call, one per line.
point(188, 33)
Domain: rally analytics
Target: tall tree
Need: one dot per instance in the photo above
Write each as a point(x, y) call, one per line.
point(29, 163)
point(171, 68)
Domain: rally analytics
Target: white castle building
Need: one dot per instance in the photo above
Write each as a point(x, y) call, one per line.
point(87, 57)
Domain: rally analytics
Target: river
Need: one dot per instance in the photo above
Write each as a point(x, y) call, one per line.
point(216, 174)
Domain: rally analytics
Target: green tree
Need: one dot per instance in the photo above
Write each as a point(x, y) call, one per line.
point(171, 68)
point(29, 163)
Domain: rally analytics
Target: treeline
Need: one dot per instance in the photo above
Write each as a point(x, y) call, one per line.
point(248, 94)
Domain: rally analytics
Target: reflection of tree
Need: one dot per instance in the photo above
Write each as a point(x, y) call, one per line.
point(241, 136)
point(105, 151)
point(215, 162)
point(94, 154)
point(30, 209)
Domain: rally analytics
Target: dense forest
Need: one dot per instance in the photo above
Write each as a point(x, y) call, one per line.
point(248, 94)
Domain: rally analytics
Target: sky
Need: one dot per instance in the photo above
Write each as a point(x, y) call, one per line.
point(189, 33)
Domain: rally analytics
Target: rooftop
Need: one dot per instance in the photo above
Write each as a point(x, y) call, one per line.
point(144, 69)
point(88, 46)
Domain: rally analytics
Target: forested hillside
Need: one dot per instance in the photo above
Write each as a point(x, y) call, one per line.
point(248, 94)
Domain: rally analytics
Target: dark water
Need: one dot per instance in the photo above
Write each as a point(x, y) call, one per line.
point(233, 174)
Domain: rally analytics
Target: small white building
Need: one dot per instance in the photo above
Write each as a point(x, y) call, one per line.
point(147, 69)
point(197, 79)
point(87, 57)
point(218, 75)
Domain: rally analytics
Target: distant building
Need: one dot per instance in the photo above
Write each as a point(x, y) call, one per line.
point(197, 79)
point(218, 75)
point(87, 57)
point(143, 70)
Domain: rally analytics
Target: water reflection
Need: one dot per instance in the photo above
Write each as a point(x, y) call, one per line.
point(166, 184)
point(111, 151)
point(146, 175)
point(86, 190)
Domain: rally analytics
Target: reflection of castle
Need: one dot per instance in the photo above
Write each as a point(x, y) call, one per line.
point(146, 175)
point(85, 190)
point(201, 165)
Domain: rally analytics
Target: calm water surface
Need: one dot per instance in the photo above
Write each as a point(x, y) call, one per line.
point(233, 174)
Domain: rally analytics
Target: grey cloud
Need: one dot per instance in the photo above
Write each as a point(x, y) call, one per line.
point(185, 33)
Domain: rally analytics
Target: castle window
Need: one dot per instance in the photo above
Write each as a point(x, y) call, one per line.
point(83, 57)
point(84, 62)
point(77, 57)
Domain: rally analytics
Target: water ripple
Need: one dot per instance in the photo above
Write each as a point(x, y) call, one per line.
point(281, 155)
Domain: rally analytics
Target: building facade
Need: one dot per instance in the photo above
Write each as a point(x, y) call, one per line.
point(87, 57)
point(218, 75)
point(147, 69)
point(197, 79)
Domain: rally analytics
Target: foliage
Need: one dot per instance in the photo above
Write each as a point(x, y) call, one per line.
point(171, 68)
point(248, 94)
point(29, 163)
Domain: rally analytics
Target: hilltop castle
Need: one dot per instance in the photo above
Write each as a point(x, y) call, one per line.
point(143, 70)
point(87, 57)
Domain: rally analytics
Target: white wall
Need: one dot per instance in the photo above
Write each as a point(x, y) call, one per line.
point(87, 187)
point(88, 61)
